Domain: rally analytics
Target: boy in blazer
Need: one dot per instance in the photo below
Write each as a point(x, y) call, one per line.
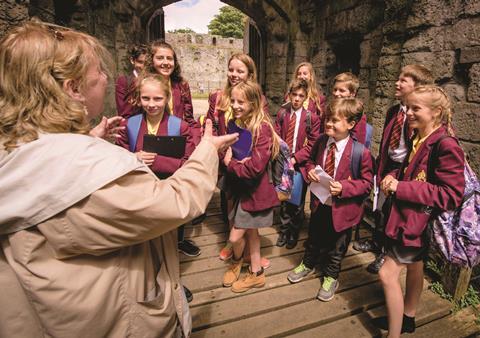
point(330, 228)
point(394, 143)
point(125, 84)
point(300, 129)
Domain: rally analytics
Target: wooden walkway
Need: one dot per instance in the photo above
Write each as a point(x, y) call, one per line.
point(281, 309)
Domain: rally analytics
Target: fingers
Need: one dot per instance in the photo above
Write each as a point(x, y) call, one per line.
point(208, 130)
point(222, 142)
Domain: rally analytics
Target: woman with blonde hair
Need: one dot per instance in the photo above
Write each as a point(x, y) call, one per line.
point(86, 241)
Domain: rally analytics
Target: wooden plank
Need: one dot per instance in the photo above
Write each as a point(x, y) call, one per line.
point(460, 324)
point(273, 298)
point(212, 279)
point(456, 280)
point(273, 281)
point(431, 308)
point(292, 318)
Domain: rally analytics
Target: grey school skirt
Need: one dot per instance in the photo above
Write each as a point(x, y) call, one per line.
point(405, 254)
point(250, 220)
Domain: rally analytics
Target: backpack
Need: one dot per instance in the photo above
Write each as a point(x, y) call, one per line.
point(456, 233)
point(281, 172)
point(368, 135)
point(133, 127)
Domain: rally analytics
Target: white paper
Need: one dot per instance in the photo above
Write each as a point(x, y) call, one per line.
point(322, 189)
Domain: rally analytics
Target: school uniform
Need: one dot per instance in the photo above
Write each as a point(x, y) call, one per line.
point(331, 225)
point(250, 186)
point(418, 195)
point(219, 117)
point(292, 216)
point(162, 166)
point(124, 89)
point(182, 107)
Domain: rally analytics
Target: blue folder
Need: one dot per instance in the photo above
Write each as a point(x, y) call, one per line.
point(243, 147)
point(296, 196)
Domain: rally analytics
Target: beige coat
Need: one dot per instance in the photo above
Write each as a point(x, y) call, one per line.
point(108, 266)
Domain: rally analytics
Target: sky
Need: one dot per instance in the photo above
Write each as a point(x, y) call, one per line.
point(194, 14)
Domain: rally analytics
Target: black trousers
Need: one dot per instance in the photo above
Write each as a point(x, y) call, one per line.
point(324, 244)
point(292, 216)
point(181, 233)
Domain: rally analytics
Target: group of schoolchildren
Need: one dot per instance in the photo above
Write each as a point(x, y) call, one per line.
point(333, 136)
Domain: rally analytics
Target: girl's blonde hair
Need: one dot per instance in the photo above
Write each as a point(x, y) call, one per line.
point(153, 78)
point(313, 92)
point(224, 101)
point(35, 61)
point(253, 122)
point(436, 98)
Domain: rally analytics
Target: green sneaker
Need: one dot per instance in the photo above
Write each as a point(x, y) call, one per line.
point(327, 291)
point(299, 273)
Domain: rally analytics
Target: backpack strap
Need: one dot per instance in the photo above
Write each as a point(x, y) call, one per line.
point(433, 156)
point(356, 159)
point(133, 127)
point(309, 121)
point(368, 135)
point(174, 124)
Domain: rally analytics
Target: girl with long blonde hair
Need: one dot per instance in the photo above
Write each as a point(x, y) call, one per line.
point(248, 182)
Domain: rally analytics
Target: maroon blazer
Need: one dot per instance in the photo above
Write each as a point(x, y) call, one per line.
point(413, 202)
point(304, 141)
point(219, 123)
point(383, 158)
point(347, 209)
point(249, 181)
point(183, 108)
point(163, 166)
point(124, 86)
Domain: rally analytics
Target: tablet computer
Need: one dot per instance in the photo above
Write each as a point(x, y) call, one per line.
point(170, 146)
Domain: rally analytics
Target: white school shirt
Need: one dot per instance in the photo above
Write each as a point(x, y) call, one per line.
point(397, 155)
point(339, 149)
point(298, 115)
point(135, 73)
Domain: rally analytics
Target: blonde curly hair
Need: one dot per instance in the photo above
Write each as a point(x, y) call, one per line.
point(35, 61)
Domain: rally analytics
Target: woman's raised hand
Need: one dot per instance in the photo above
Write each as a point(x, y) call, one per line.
point(220, 142)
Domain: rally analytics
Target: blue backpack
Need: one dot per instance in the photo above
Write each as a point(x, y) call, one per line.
point(368, 135)
point(133, 127)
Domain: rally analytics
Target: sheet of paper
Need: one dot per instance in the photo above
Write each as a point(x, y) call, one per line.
point(378, 196)
point(322, 189)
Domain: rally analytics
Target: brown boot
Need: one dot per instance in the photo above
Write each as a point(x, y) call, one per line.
point(233, 272)
point(250, 280)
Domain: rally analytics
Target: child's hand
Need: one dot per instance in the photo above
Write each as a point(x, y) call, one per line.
point(228, 156)
point(244, 160)
point(335, 188)
point(293, 161)
point(312, 176)
point(146, 157)
point(389, 185)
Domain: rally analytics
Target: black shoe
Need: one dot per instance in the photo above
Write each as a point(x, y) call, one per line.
point(408, 323)
point(375, 266)
point(282, 239)
point(188, 248)
point(291, 241)
point(199, 219)
point(364, 246)
point(188, 294)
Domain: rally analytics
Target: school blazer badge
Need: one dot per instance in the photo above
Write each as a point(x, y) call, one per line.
point(421, 176)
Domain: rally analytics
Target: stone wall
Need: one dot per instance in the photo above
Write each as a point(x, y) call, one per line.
point(373, 38)
point(203, 58)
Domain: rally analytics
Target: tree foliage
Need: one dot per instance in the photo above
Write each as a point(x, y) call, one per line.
point(229, 23)
point(182, 30)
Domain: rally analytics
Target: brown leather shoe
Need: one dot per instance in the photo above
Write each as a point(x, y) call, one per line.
point(250, 280)
point(233, 272)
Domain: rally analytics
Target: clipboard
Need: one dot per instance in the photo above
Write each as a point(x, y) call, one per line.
point(169, 146)
point(241, 148)
point(296, 196)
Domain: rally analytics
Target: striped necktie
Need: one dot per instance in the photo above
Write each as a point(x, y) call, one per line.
point(397, 130)
point(291, 130)
point(330, 160)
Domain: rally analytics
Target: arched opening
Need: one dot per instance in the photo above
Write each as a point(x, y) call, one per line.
point(254, 46)
point(156, 26)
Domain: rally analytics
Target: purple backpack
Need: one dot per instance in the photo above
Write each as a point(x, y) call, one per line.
point(456, 233)
point(281, 172)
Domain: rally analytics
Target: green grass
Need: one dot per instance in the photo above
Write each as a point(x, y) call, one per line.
point(199, 95)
